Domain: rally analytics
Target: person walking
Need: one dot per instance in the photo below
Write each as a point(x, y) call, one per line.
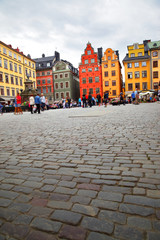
point(37, 100)
point(18, 101)
point(47, 104)
point(98, 99)
point(122, 99)
point(90, 99)
point(79, 102)
point(31, 103)
point(43, 101)
point(84, 100)
point(105, 98)
point(136, 97)
point(1, 109)
point(133, 97)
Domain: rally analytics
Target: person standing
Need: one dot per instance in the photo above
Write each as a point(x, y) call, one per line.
point(84, 100)
point(136, 97)
point(37, 100)
point(69, 102)
point(90, 99)
point(133, 97)
point(43, 101)
point(47, 104)
point(79, 102)
point(105, 98)
point(18, 101)
point(98, 99)
point(31, 103)
point(1, 109)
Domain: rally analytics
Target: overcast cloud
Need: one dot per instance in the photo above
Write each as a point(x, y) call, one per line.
point(66, 26)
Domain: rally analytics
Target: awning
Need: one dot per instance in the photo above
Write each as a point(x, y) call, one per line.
point(2, 99)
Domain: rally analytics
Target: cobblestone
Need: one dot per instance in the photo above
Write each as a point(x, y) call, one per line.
point(81, 174)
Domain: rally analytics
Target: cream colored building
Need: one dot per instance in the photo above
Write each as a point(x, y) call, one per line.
point(15, 67)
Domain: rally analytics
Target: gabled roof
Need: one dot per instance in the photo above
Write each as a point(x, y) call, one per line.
point(126, 59)
point(154, 44)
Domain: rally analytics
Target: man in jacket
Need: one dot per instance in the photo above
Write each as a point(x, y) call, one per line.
point(37, 100)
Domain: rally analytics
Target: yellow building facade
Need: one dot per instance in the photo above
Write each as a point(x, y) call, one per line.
point(15, 67)
point(137, 67)
point(111, 73)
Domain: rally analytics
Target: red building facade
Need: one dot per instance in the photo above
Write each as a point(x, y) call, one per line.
point(90, 73)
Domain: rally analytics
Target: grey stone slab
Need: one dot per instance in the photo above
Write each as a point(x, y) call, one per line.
point(139, 222)
point(84, 209)
point(66, 216)
point(125, 232)
point(135, 209)
point(117, 197)
point(113, 216)
point(140, 200)
point(44, 224)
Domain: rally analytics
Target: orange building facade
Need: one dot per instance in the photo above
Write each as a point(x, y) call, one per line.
point(90, 74)
point(111, 73)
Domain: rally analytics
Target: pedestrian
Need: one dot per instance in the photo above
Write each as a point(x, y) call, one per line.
point(31, 103)
point(133, 97)
point(106, 98)
point(47, 104)
point(121, 99)
point(18, 101)
point(136, 97)
point(84, 100)
point(79, 102)
point(15, 107)
point(69, 102)
point(98, 99)
point(1, 109)
point(37, 100)
point(43, 101)
point(90, 99)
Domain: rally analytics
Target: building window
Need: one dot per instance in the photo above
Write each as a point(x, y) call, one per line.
point(113, 65)
point(83, 80)
point(48, 80)
point(0, 62)
point(144, 74)
point(38, 74)
point(67, 84)
point(8, 92)
point(16, 78)
point(89, 52)
point(56, 85)
point(97, 90)
point(44, 89)
point(61, 85)
point(15, 56)
point(105, 65)
point(6, 78)
point(11, 66)
point(61, 75)
point(48, 73)
point(66, 75)
point(155, 74)
point(57, 95)
point(139, 54)
point(106, 74)
point(144, 64)
point(1, 77)
point(43, 81)
point(20, 69)
point(15, 67)
point(4, 50)
point(90, 79)
point(12, 80)
point(96, 79)
point(144, 85)
point(113, 73)
point(136, 74)
point(86, 61)
point(137, 85)
point(43, 73)
point(83, 70)
point(67, 94)
point(96, 69)
point(38, 82)
point(2, 91)
point(155, 54)
point(129, 75)
point(129, 65)
point(136, 64)
point(55, 76)
point(21, 83)
point(113, 83)
point(62, 95)
point(90, 90)
point(136, 46)
point(92, 60)
point(5, 64)
point(49, 89)
point(48, 64)
point(109, 58)
point(13, 92)
point(155, 85)
point(132, 55)
point(130, 86)
point(19, 58)
point(155, 64)
point(89, 69)
point(106, 83)
point(113, 92)
point(84, 91)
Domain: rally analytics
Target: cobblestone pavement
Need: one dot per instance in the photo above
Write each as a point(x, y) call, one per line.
point(81, 174)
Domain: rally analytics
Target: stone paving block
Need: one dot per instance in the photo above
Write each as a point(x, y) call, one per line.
point(17, 231)
point(68, 184)
point(93, 187)
point(153, 236)
point(117, 197)
point(60, 197)
point(38, 235)
point(59, 205)
point(99, 236)
point(8, 194)
point(48, 188)
point(66, 216)
point(125, 232)
point(65, 190)
point(21, 207)
point(139, 222)
point(153, 193)
point(94, 224)
point(141, 200)
point(72, 233)
point(113, 216)
point(104, 204)
point(117, 189)
point(84, 209)
point(44, 224)
point(87, 193)
point(23, 219)
point(80, 199)
point(5, 202)
point(135, 209)
point(40, 211)
point(8, 214)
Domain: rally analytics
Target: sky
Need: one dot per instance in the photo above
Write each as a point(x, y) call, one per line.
point(66, 26)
